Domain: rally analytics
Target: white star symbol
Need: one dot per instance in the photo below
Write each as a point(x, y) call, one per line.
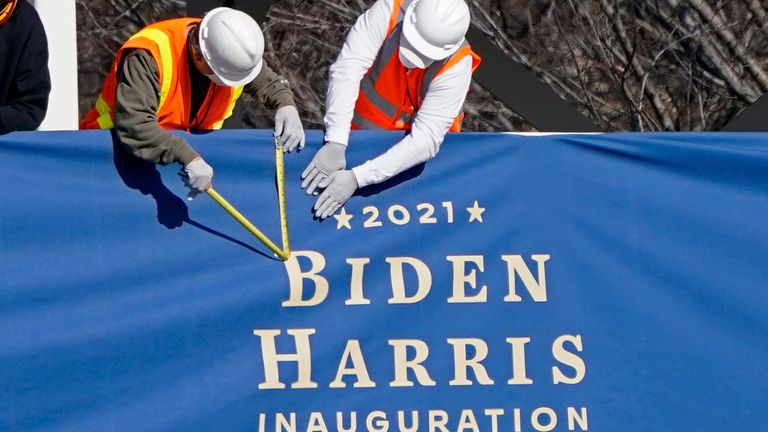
point(476, 212)
point(342, 219)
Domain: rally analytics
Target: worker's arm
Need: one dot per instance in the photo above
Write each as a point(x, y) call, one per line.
point(442, 104)
point(271, 89)
point(136, 104)
point(27, 103)
point(357, 55)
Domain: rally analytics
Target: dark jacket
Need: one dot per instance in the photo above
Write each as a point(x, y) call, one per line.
point(24, 78)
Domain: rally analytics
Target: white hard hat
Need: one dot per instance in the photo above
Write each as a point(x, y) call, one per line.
point(232, 44)
point(434, 29)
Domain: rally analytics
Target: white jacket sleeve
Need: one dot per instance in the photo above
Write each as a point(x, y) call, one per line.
point(442, 104)
point(357, 55)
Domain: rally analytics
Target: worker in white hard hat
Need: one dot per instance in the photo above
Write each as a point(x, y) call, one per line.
point(188, 73)
point(405, 65)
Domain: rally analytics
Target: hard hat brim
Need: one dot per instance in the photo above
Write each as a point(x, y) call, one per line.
point(420, 44)
point(231, 80)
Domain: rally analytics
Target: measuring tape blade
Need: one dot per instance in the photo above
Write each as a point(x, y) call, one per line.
point(246, 223)
point(280, 174)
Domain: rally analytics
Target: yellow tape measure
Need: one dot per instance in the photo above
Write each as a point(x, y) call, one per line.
point(285, 252)
point(280, 174)
point(246, 223)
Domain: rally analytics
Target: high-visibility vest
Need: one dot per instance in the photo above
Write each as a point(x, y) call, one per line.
point(166, 41)
point(390, 95)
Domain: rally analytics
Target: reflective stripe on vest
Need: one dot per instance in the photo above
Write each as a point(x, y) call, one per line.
point(166, 59)
point(230, 108)
point(105, 114)
point(390, 95)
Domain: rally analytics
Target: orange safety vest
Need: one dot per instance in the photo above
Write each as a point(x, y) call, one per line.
point(166, 41)
point(390, 95)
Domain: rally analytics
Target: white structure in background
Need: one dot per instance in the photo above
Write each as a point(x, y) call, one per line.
point(59, 19)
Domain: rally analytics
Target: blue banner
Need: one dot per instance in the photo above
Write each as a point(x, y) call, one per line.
point(569, 282)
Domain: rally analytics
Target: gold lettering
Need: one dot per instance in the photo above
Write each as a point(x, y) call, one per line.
point(536, 414)
point(518, 361)
point(518, 426)
point(494, 414)
point(403, 364)
point(377, 421)
point(316, 423)
point(352, 422)
point(569, 359)
point(352, 353)
point(467, 421)
point(574, 417)
point(270, 357)
point(537, 289)
point(438, 419)
point(461, 363)
point(356, 296)
point(296, 279)
point(398, 280)
point(461, 279)
point(414, 427)
point(282, 423)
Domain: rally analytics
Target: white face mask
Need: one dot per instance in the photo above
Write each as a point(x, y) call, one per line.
point(410, 58)
point(404, 60)
point(216, 80)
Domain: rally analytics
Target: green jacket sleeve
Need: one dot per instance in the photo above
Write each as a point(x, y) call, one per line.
point(136, 104)
point(271, 89)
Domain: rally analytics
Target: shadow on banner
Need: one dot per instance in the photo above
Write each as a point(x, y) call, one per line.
point(172, 211)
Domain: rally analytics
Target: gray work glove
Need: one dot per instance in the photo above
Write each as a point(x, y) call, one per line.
point(339, 186)
point(197, 176)
point(288, 128)
point(330, 158)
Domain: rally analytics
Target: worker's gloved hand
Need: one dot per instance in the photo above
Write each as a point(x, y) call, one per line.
point(339, 186)
point(330, 158)
point(197, 176)
point(288, 128)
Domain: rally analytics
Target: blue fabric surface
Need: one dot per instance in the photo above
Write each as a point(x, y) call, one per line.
point(125, 308)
